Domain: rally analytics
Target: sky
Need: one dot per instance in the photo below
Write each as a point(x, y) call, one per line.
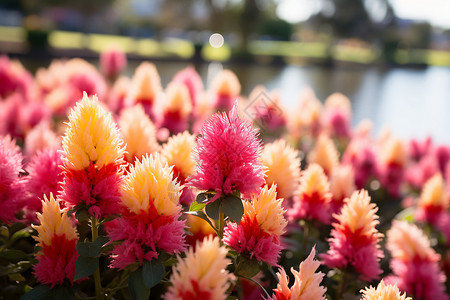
point(437, 12)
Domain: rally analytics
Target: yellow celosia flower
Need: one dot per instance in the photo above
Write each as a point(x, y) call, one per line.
point(202, 272)
point(324, 153)
point(268, 210)
point(178, 152)
point(383, 292)
point(434, 193)
point(313, 180)
point(151, 180)
point(178, 99)
point(146, 83)
point(283, 167)
point(91, 136)
point(53, 221)
point(406, 241)
point(359, 214)
point(138, 132)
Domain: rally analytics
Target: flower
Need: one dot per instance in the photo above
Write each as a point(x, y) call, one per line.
point(342, 185)
point(228, 153)
point(392, 163)
point(283, 167)
point(57, 238)
point(138, 132)
point(93, 158)
point(190, 78)
point(324, 154)
point(149, 222)
point(112, 61)
point(360, 154)
point(11, 185)
point(306, 284)
point(312, 199)
point(41, 137)
point(45, 175)
point(178, 153)
point(261, 226)
point(118, 94)
point(305, 120)
point(225, 89)
point(177, 107)
point(414, 263)
point(201, 274)
point(337, 116)
point(433, 201)
point(383, 291)
point(355, 239)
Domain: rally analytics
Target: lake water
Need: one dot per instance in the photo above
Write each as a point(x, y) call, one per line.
point(411, 102)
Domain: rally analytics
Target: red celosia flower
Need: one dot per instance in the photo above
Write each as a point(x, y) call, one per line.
point(11, 185)
point(354, 240)
point(227, 153)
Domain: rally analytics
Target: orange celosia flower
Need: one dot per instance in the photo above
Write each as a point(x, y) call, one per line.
point(433, 201)
point(342, 185)
point(201, 274)
point(138, 132)
point(226, 89)
point(324, 153)
point(178, 153)
point(384, 292)
point(307, 282)
point(283, 167)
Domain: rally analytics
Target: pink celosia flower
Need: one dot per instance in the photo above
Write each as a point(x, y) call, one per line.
point(418, 173)
point(93, 158)
point(149, 222)
point(11, 185)
point(354, 238)
point(258, 234)
point(228, 156)
point(414, 263)
point(384, 292)
point(306, 284)
point(342, 185)
point(39, 138)
point(201, 274)
point(313, 197)
point(178, 153)
point(15, 79)
point(118, 94)
point(283, 167)
point(225, 89)
point(337, 116)
point(190, 78)
point(145, 89)
point(433, 201)
point(176, 108)
point(57, 238)
point(392, 165)
point(112, 61)
point(10, 110)
point(417, 149)
point(324, 154)
point(45, 176)
point(138, 132)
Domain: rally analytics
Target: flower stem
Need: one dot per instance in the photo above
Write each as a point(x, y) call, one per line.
point(97, 281)
point(305, 239)
point(221, 225)
point(342, 285)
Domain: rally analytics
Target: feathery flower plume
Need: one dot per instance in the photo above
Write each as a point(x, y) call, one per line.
point(228, 156)
point(433, 201)
point(57, 238)
point(145, 89)
point(117, 96)
point(261, 226)
point(149, 222)
point(112, 61)
point(15, 79)
point(313, 197)
point(384, 292)
point(190, 78)
point(337, 116)
point(393, 161)
point(324, 154)
point(342, 185)
point(39, 138)
point(414, 263)
point(199, 229)
point(138, 132)
point(354, 240)
point(45, 176)
point(176, 108)
point(93, 158)
point(226, 89)
point(11, 185)
point(306, 284)
point(283, 167)
point(201, 274)
point(305, 120)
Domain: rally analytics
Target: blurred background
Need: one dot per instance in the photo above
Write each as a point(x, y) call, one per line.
point(390, 57)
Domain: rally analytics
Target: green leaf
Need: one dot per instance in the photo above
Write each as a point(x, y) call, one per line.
point(26, 232)
point(201, 198)
point(92, 249)
point(233, 207)
point(213, 208)
point(246, 267)
point(62, 293)
point(13, 255)
point(137, 287)
point(39, 292)
point(201, 215)
point(195, 206)
point(152, 272)
point(85, 266)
